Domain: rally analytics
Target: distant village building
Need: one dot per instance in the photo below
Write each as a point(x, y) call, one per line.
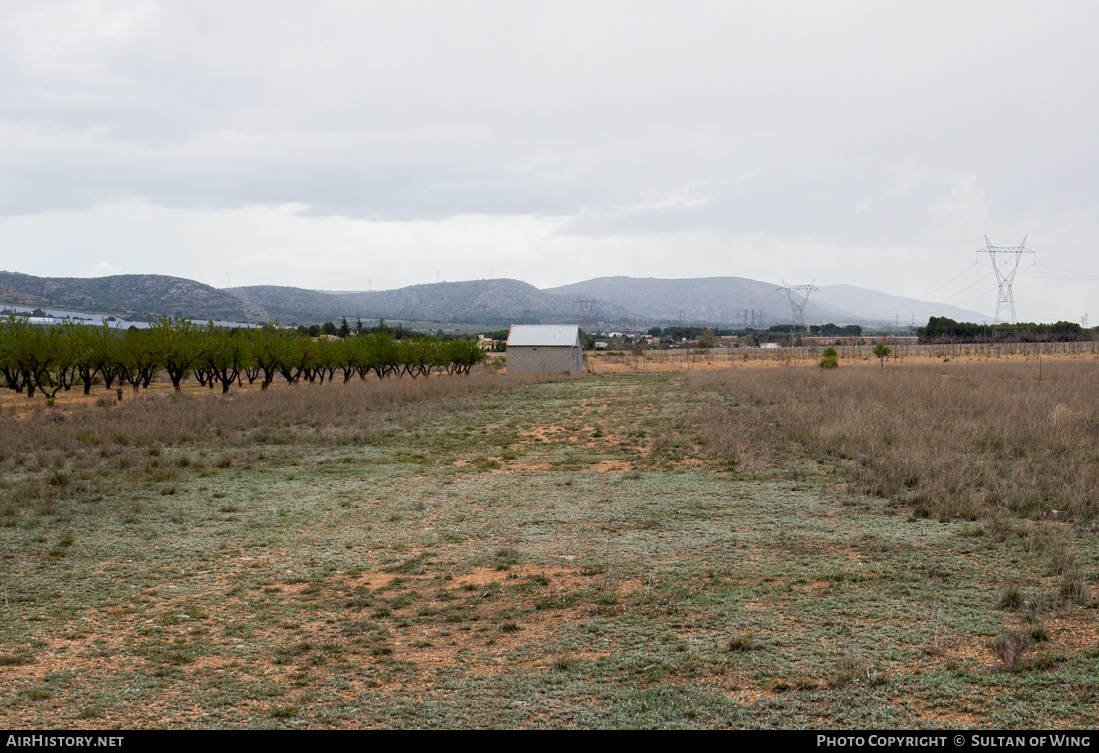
point(542, 348)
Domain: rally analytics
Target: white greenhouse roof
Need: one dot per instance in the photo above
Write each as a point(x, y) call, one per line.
point(548, 335)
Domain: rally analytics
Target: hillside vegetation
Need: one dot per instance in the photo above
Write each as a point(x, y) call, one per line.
point(471, 302)
point(142, 296)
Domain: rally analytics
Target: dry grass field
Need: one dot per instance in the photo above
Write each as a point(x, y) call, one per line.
point(662, 544)
point(648, 361)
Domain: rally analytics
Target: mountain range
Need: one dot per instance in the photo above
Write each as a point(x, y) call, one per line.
point(610, 301)
point(139, 296)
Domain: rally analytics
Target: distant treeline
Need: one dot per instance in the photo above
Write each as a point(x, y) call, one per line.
point(697, 333)
point(48, 359)
point(822, 330)
point(943, 329)
point(678, 333)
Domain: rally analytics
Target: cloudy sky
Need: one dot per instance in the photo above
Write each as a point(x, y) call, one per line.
point(354, 145)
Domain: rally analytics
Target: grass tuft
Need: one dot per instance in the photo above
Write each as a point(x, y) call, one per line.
point(745, 642)
point(1011, 599)
point(15, 660)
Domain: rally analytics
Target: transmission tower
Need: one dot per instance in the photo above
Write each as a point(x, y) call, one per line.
point(586, 305)
point(1005, 262)
point(797, 308)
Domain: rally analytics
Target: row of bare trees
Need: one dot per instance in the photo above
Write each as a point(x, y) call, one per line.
point(48, 359)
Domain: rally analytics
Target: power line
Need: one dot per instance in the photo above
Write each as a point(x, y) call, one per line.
point(957, 293)
point(982, 294)
point(1053, 273)
point(928, 294)
point(945, 302)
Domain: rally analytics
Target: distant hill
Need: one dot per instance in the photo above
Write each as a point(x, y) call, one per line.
point(728, 301)
point(715, 301)
point(499, 301)
point(731, 301)
point(294, 305)
point(471, 302)
point(132, 295)
point(878, 307)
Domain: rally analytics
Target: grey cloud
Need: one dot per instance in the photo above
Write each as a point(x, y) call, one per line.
point(797, 118)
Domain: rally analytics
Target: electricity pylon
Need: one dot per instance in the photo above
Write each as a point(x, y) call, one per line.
point(587, 304)
point(1005, 262)
point(797, 308)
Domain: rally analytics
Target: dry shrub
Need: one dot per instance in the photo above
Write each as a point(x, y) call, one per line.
point(1010, 648)
point(852, 670)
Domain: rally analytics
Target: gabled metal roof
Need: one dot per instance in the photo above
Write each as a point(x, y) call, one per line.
point(567, 335)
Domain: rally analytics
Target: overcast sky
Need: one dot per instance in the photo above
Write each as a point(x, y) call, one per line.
point(348, 146)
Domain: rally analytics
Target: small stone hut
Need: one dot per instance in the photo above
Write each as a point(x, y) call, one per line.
point(544, 347)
